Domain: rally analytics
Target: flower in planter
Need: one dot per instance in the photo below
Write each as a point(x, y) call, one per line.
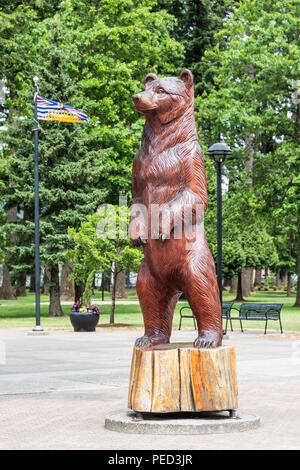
point(77, 307)
point(93, 309)
point(84, 319)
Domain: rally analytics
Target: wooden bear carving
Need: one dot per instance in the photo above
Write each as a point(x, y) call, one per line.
point(168, 182)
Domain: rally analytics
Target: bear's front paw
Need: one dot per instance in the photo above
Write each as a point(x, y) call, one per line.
point(143, 342)
point(161, 236)
point(146, 342)
point(208, 339)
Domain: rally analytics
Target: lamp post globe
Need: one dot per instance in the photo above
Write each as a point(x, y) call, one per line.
point(219, 151)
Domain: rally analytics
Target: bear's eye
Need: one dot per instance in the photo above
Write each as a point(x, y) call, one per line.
point(160, 90)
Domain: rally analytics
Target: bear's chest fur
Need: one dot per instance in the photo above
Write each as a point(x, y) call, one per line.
point(161, 169)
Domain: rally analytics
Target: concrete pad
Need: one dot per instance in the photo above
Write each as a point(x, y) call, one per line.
point(56, 392)
point(193, 423)
point(38, 333)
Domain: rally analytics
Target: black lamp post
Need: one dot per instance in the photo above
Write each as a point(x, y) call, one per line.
point(218, 153)
point(36, 213)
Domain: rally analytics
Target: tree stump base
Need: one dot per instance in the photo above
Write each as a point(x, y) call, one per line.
point(180, 378)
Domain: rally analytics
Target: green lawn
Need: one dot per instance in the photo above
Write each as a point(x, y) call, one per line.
point(131, 295)
point(21, 313)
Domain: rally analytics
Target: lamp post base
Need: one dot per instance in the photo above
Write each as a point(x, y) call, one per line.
point(37, 330)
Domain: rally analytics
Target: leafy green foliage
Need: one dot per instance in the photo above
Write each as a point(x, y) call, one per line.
point(197, 23)
point(251, 106)
point(92, 56)
point(102, 244)
point(88, 291)
point(102, 241)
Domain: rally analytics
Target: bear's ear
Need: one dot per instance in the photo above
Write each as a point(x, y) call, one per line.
point(150, 77)
point(187, 77)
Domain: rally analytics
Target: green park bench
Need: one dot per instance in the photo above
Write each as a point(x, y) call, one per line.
point(246, 311)
point(226, 307)
point(186, 315)
point(255, 311)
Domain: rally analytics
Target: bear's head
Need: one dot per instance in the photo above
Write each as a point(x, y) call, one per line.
point(165, 98)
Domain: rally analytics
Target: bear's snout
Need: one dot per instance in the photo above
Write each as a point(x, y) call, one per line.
point(136, 98)
point(143, 102)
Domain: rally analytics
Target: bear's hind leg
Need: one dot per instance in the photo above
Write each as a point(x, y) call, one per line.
point(157, 303)
point(201, 291)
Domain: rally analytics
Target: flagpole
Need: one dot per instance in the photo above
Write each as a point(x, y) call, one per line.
point(36, 213)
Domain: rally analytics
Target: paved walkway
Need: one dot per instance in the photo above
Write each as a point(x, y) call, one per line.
point(56, 390)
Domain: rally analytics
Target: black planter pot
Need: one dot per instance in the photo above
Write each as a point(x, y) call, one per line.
point(84, 321)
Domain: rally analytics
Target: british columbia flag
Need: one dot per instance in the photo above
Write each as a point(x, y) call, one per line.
point(49, 110)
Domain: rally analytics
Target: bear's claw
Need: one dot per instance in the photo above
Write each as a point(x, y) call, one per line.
point(207, 340)
point(145, 342)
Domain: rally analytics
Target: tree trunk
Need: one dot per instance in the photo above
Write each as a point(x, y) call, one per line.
point(106, 276)
point(7, 291)
point(234, 283)
point(239, 294)
point(297, 303)
point(21, 286)
point(288, 292)
point(21, 291)
point(266, 272)
point(249, 137)
point(257, 280)
point(246, 281)
point(252, 279)
point(79, 289)
point(113, 297)
point(121, 286)
point(278, 281)
point(285, 280)
point(55, 309)
point(67, 288)
point(46, 280)
point(32, 283)
point(127, 277)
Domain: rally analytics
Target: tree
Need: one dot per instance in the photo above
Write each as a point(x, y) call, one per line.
point(246, 241)
point(16, 19)
point(118, 46)
point(71, 171)
point(2, 240)
point(94, 58)
point(101, 243)
point(67, 288)
point(197, 23)
point(251, 105)
point(7, 290)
